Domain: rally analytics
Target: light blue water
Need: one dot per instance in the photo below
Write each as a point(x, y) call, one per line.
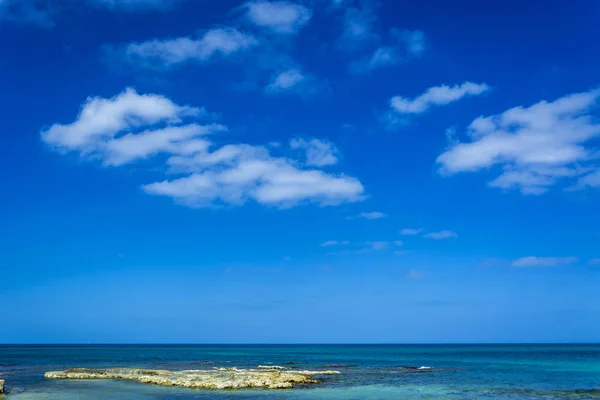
point(370, 372)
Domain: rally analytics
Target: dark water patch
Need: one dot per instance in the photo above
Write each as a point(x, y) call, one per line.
point(581, 394)
point(338, 366)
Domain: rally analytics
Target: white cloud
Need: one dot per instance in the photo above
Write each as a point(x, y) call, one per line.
point(172, 139)
point(293, 80)
point(100, 120)
point(318, 153)
point(163, 53)
point(595, 261)
point(131, 127)
point(410, 231)
point(440, 235)
point(526, 262)
point(372, 215)
point(535, 146)
point(436, 96)
point(398, 243)
point(281, 17)
point(274, 182)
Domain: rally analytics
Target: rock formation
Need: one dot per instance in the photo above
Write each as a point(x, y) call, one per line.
point(220, 378)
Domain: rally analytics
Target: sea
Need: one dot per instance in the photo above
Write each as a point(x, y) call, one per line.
point(368, 372)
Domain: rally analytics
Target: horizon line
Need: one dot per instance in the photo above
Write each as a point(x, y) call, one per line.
point(304, 344)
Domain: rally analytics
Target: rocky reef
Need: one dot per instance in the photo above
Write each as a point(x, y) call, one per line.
point(218, 378)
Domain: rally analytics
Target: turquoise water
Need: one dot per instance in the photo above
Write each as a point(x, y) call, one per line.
point(369, 372)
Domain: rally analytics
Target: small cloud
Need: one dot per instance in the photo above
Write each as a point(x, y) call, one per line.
point(349, 127)
point(286, 80)
point(440, 235)
point(415, 274)
point(370, 215)
point(526, 262)
point(286, 258)
point(436, 96)
point(415, 42)
point(402, 47)
point(293, 81)
point(319, 153)
point(378, 245)
point(410, 231)
point(398, 243)
point(281, 17)
point(330, 243)
point(400, 252)
point(358, 26)
point(595, 261)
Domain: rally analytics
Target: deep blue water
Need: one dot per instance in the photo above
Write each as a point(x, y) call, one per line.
point(371, 371)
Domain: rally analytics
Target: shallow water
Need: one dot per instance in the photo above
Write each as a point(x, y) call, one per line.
point(369, 372)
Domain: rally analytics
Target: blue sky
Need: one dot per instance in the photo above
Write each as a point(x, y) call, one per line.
point(299, 171)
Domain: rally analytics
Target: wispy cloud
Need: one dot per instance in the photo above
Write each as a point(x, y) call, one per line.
point(536, 146)
point(410, 231)
point(281, 17)
point(404, 46)
point(293, 81)
point(362, 247)
point(27, 12)
point(378, 245)
point(42, 13)
point(359, 26)
point(414, 41)
point(330, 243)
point(531, 261)
point(131, 127)
point(440, 235)
point(162, 53)
point(436, 96)
point(594, 261)
point(369, 215)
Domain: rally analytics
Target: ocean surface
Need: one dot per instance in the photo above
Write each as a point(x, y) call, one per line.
point(369, 372)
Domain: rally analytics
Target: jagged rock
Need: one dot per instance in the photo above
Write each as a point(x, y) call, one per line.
point(221, 378)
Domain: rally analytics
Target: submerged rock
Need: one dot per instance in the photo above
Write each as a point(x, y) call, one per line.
point(224, 379)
